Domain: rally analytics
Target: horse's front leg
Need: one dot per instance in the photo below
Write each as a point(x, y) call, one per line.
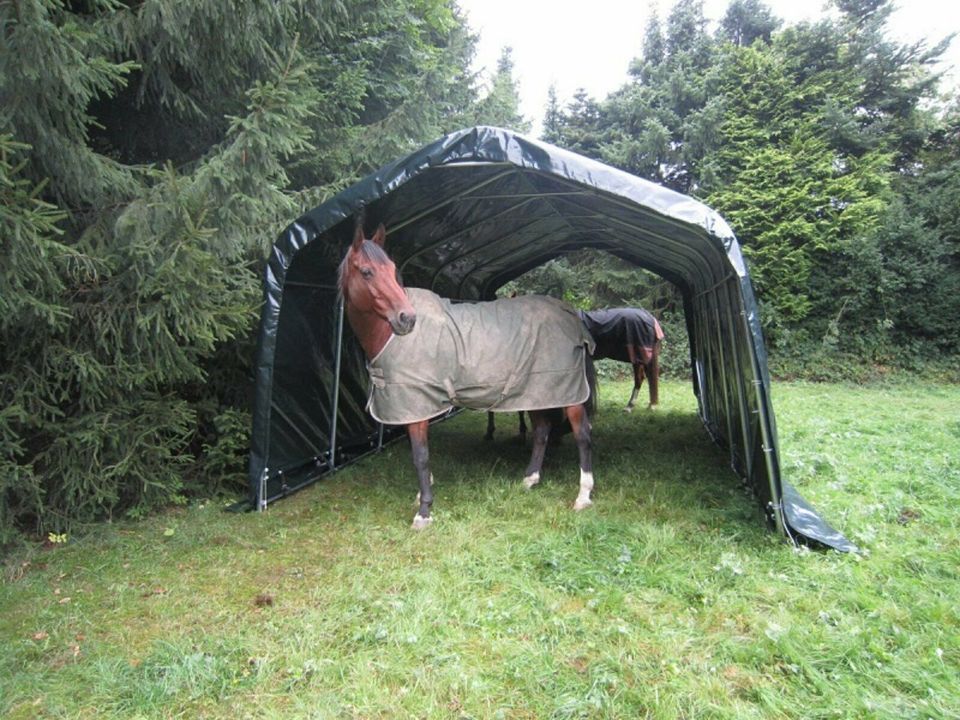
point(541, 432)
point(580, 423)
point(421, 461)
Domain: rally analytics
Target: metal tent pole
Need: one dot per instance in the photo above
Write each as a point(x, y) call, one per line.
point(336, 386)
point(768, 442)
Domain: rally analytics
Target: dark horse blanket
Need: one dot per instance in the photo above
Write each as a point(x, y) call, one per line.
point(615, 328)
point(525, 353)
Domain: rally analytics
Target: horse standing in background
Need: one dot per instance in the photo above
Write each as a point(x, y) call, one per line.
point(630, 335)
point(426, 355)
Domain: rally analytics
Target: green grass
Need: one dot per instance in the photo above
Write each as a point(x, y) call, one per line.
point(667, 599)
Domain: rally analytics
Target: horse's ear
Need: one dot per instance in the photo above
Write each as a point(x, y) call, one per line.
point(380, 236)
point(358, 236)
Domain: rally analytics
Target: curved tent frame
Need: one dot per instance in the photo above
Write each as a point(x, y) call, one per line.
point(464, 215)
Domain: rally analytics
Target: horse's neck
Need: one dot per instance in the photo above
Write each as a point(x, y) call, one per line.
point(371, 330)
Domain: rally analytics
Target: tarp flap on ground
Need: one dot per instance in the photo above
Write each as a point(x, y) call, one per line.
point(464, 216)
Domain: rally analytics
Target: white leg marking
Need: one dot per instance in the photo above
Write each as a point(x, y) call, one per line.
point(586, 485)
point(418, 492)
point(530, 480)
point(419, 523)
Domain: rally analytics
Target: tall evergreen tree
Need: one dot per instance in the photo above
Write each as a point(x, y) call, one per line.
point(645, 123)
point(746, 21)
point(501, 106)
point(900, 285)
point(553, 118)
point(778, 183)
point(150, 152)
point(581, 126)
point(686, 27)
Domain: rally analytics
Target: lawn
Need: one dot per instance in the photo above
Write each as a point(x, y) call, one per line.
point(667, 599)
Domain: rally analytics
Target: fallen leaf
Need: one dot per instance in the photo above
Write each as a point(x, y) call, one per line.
point(40, 635)
point(63, 601)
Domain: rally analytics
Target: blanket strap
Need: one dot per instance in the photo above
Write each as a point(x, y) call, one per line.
point(451, 391)
point(376, 377)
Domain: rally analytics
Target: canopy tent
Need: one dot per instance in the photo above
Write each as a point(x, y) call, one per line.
point(465, 215)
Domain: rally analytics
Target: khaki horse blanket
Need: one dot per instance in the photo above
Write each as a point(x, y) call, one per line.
point(525, 353)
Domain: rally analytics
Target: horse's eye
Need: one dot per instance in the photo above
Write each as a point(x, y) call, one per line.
point(366, 272)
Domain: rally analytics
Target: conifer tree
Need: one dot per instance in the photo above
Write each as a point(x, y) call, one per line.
point(151, 152)
point(746, 21)
point(645, 123)
point(553, 118)
point(501, 106)
point(581, 127)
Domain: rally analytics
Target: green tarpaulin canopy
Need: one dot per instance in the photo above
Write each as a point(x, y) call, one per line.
point(465, 215)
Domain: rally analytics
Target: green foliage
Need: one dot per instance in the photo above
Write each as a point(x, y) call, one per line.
point(793, 201)
point(824, 147)
point(645, 125)
point(227, 451)
point(150, 153)
point(590, 279)
point(552, 117)
point(747, 21)
point(501, 105)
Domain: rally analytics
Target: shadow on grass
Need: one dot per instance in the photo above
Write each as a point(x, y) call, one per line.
point(658, 465)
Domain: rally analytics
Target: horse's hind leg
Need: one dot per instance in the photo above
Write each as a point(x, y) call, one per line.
point(541, 432)
point(421, 461)
point(637, 384)
point(490, 427)
point(580, 423)
point(653, 375)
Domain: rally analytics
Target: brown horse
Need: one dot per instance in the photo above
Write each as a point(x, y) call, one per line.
point(631, 335)
point(403, 334)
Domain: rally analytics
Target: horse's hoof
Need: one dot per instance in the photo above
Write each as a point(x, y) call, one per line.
point(582, 504)
point(420, 522)
point(653, 406)
point(530, 480)
point(628, 409)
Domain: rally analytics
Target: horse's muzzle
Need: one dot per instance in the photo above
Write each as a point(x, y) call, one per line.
point(403, 322)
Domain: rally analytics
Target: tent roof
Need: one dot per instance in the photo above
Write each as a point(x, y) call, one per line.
point(465, 215)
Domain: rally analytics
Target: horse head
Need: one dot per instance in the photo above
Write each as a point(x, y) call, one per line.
point(371, 291)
